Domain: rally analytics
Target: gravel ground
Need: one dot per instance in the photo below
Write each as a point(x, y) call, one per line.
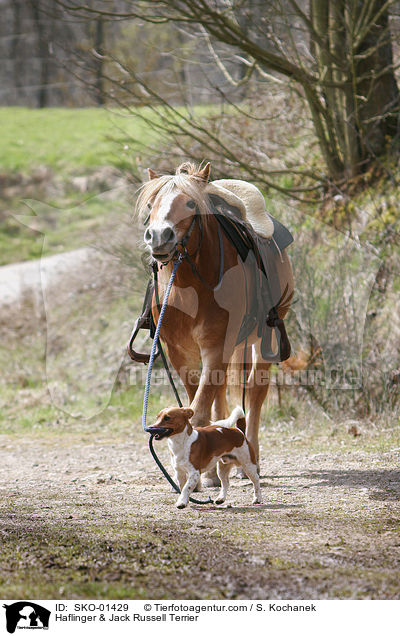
point(92, 516)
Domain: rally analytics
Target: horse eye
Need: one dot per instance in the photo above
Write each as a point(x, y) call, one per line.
point(191, 204)
point(166, 418)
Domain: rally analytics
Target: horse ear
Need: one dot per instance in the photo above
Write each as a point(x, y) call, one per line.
point(152, 174)
point(204, 173)
point(188, 413)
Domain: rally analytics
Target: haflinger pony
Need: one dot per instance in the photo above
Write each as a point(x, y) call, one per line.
point(212, 291)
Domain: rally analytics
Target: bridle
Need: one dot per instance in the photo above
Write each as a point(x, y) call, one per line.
point(182, 252)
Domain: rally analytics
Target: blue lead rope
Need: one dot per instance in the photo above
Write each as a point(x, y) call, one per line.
point(153, 432)
point(154, 347)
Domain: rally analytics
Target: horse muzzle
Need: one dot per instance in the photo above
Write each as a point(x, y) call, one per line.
point(161, 240)
point(164, 256)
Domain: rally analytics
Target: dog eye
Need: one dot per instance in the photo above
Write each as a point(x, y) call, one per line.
point(166, 418)
point(191, 204)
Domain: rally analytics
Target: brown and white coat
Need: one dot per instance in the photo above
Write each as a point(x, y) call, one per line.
point(197, 450)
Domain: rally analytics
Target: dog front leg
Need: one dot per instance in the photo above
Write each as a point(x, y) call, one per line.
point(180, 477)
point(188, 488)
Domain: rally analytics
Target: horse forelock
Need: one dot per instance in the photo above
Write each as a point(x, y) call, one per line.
point(182, 182)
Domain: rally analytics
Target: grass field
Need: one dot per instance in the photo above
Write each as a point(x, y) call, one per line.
point(64, 160)
point(68, 141)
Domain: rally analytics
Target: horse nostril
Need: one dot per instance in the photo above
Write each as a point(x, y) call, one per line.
point(167, 235)
point(148, 235)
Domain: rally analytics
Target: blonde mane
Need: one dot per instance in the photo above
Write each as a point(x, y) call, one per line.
point(186, 180)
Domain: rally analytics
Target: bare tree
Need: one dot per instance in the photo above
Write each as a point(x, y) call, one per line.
point(336, 54)
point(42, 41)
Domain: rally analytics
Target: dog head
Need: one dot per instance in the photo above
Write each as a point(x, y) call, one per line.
point(173, 420)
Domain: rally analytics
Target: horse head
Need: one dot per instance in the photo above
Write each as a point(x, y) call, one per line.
point(168, 206)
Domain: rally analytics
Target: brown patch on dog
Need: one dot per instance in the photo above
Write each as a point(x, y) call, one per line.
point(212, 443)
point(241, 425)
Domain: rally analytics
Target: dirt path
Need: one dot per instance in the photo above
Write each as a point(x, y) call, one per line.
point(89, 515)
point(19, 278)
point(85, 513)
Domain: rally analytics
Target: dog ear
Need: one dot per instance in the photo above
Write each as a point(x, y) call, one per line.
point(188, 413)
point(152, 174)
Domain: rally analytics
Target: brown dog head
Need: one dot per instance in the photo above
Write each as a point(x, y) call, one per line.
point(174, 420)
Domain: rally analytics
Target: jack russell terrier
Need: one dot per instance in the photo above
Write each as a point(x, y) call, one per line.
point(198, 450)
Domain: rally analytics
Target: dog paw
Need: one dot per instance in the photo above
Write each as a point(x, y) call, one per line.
point(240, 474)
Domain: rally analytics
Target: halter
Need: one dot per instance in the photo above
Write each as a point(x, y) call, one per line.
point(181, 251)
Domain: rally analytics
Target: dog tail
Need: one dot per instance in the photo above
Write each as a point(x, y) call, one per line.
point(237, 418)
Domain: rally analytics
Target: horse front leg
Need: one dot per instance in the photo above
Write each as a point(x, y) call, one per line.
point(219, 410)
point(212, 382)
point(187, 364)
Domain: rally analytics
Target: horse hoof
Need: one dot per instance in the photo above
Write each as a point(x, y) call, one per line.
point(219, 501)
point(211, 482)
point(180, 506)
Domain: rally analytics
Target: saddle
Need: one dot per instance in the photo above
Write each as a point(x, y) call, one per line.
point(259, 251)
point(254, 248)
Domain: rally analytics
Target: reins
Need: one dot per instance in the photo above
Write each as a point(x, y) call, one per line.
point(159, 433)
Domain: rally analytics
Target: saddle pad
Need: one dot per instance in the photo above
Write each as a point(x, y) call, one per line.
point(245, 200)
point(282, 236)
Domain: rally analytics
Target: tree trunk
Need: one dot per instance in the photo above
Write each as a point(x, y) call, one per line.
point(43, 53)
point(377, 90)
point(359, 97)
point(99, 47)
point(15, 48)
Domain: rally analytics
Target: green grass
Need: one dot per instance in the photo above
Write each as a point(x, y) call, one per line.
point(69, 143)
point(73, 222)
point(65, 140)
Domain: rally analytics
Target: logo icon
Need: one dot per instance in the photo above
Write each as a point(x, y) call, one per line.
point(26, 615)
